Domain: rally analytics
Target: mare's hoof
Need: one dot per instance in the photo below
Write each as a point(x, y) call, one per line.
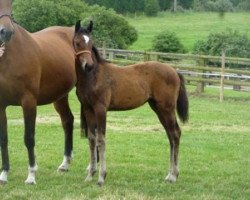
point(30, 182)
point(171, 178)
point(2, 182)
point(62, 168)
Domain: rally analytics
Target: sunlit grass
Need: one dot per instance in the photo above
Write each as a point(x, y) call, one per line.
point(189, 26)
point(214, 154)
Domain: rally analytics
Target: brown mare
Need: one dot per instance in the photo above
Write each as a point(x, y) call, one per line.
point(102, 86)
point(35, 69)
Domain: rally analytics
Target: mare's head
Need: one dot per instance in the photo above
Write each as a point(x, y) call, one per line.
point(83, 45)
point(6, 23)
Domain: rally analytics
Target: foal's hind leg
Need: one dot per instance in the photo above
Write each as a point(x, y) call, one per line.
point(167, 117)
point(67, 119)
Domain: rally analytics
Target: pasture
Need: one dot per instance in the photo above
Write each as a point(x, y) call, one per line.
point(188, 26)
point(214, 154)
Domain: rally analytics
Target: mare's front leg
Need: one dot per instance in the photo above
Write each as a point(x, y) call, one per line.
point(4, 146)
point(67, 119)
point(29, 104)
point(101, 113)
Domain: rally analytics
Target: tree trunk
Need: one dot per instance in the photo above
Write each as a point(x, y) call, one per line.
point(175, 5)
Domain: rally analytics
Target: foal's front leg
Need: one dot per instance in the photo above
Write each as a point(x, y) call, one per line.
point(100, 112)
point(92, 144)
point(29, 113)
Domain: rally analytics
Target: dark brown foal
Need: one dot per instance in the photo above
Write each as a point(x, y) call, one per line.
point(102, 86)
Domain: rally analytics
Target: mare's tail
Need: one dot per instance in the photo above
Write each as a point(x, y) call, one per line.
point(182, 101)
point(83, 124)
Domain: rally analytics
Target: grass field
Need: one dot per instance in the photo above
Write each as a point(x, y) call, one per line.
point(214, 154)
point(189, 26)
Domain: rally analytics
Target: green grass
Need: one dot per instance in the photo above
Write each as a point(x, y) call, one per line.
point(189, 26)
point(214, 154)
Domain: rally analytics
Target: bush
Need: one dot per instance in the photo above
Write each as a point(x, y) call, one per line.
point(151, 7)
point(235, 44)
point(110, 28)
point(168, 42)
point(244, 5)
point(35, 15)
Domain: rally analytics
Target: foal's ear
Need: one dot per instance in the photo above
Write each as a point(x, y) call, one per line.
point(90, 26)
point(78, 26)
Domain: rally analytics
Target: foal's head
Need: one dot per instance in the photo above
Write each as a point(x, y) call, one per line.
point(83, 45)
point(6, 23)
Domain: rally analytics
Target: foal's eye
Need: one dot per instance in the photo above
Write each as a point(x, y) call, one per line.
point(78, 45)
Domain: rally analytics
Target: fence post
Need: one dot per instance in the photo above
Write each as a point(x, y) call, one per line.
point(146, 56)
point(200, 85)
point(104, 50)
point(223, 60)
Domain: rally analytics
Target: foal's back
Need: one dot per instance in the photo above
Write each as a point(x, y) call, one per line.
point(134, 85)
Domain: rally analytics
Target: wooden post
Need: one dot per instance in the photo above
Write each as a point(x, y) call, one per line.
point(146, 56)
point(104, 50)
point(201, 85)
point(223, 61)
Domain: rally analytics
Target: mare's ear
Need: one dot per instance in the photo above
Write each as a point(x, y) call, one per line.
point(90, 26)
point(78, 26)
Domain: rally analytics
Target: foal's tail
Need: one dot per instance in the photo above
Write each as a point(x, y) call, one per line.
point(182, 101)
point(83, 124)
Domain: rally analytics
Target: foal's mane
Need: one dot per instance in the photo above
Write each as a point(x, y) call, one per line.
point(98, 57)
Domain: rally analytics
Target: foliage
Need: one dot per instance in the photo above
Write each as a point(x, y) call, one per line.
point(235, 44)
point(151, 7)
point(244, 5)
point(213, 5)
point(110, 28)
point(167, 42)
point(35, 15)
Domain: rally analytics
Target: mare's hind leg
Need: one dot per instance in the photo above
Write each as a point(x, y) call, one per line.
point(67, 119)
point(167, 117)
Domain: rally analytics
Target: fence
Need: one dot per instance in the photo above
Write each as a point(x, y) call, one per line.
point(200, 70)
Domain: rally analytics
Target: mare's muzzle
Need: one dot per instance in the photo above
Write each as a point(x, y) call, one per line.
point(5, 34)
point(6, 28)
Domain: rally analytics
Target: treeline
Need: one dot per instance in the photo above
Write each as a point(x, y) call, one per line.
point(133, 6)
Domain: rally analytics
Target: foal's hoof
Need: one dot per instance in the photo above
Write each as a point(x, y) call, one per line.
point(100, 183)
point(171, 178)
point(62, 169)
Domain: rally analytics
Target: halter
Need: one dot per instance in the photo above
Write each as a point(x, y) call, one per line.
point(6, 15)
point(82, 52)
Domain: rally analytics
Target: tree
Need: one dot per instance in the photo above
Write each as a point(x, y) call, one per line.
point(151, 7)
point(109, 28)
point(35, 15)
point(234, 43)
point(167, 42)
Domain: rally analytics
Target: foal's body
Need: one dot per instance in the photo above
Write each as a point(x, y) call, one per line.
point(113, 83)
point(35, 69)
point(102, 86)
